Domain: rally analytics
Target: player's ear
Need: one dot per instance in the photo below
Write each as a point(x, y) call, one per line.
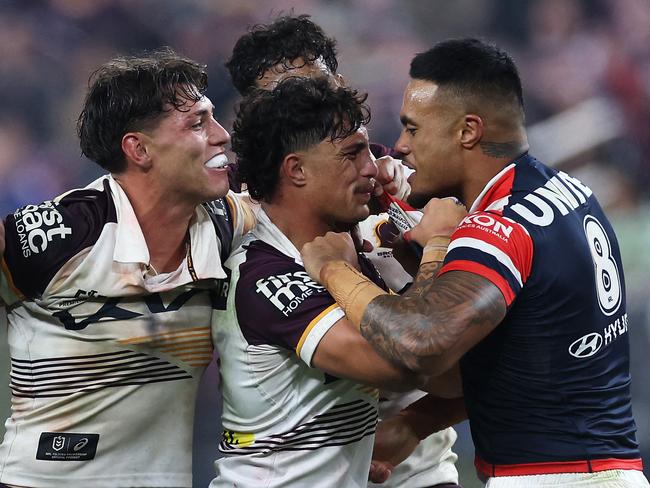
point(339, 80)
point(134, 146)
point(471, 131)
point(292, 168)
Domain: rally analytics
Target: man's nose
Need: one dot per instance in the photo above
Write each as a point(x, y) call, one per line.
point(218, 135)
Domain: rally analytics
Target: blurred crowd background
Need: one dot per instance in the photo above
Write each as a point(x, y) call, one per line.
point(585, 66)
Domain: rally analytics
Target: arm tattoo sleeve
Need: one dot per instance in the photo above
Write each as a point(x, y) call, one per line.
point(426, 330)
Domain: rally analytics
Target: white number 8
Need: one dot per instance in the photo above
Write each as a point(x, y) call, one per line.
point(608, 281)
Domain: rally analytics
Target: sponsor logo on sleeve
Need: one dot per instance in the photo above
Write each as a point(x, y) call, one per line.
point(287, 291)
point(66, 446)
point(496, 226)
point(38, 225)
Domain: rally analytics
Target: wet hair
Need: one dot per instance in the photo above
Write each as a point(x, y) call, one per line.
point(130, 93)
point(470, 67)
point(296, 115)
point(282, 41)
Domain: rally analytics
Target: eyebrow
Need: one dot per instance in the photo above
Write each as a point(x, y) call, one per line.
point(204, 111)
point(405, 120)
point(354, 147)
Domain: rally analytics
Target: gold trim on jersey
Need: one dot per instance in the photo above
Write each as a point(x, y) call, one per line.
point(312, 324)
point(192, 346)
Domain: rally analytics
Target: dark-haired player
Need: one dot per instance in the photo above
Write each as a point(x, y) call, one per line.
point(295, 46)
point(110, 288)
point(295, 411)
point(530, 297)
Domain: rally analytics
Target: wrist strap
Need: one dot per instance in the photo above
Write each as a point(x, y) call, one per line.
point(351, 290)
point(435, 250)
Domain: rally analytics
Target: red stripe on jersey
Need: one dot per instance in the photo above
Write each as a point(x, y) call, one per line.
point(504, 234)
point(589, 466)
point(500, 189)
point(488, 273)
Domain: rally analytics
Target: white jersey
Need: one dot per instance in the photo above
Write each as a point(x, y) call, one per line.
point(105, 356)
point(432, 462)
point(285, 423)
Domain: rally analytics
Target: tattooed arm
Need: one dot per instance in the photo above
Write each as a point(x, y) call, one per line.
point(437, 321)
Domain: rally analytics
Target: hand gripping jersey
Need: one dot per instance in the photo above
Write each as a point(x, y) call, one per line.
point(548, 390)
point(105, 357)
point(285, 423)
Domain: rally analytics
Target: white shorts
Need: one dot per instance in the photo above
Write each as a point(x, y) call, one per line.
point(613, 478)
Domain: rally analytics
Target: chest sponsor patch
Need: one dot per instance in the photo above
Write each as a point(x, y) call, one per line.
point(288, 290)
point(66, 446)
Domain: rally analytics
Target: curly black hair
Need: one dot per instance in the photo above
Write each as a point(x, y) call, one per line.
point(129, 93)
point(282, 41)
point(297, 115)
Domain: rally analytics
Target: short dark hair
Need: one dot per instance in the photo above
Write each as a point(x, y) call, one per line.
point(129, 93)
point(470, 67)
point(298, 114)
point(282, 41)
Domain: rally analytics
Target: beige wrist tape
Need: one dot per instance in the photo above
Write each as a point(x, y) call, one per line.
point(435, 250)
point(351, 290)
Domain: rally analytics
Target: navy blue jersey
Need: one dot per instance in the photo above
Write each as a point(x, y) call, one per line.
point(551, 383)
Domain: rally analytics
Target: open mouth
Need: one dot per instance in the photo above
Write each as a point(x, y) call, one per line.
point(218, 161)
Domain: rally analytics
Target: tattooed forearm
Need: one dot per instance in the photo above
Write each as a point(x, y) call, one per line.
point(424, 279)
point(427, 329)
point(509, 149)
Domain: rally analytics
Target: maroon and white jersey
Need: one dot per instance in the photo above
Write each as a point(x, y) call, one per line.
point(106, 355)
point(285, 423)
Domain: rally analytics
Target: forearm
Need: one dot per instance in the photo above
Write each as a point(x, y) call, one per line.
point(401, 327)
point(432, 414)
point(428, 328)
point(398, 327)
point(344, 353)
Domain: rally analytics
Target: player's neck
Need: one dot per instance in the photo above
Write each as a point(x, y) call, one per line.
point(164, 222)
point(296, 222)
point(482, 167)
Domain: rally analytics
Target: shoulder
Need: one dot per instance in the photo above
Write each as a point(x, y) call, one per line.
point(40, 238)
point(275, 299)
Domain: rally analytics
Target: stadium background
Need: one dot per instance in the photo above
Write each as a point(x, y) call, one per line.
point(585, 67)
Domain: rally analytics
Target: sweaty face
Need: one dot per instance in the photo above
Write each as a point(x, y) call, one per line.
point(430, 122)
point(187, 149)
point(298, 67)
point(340, 179)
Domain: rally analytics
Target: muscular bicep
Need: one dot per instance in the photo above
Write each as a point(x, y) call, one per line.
point(435, 323)
point(344, 353)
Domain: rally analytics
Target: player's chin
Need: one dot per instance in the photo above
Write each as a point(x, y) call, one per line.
point(417, 199)
point(361, 213)
point(218, 184)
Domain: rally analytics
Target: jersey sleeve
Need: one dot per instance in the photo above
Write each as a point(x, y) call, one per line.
point(494, 247)
point(40, 239)
point(278, 304)
point(242, 210)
